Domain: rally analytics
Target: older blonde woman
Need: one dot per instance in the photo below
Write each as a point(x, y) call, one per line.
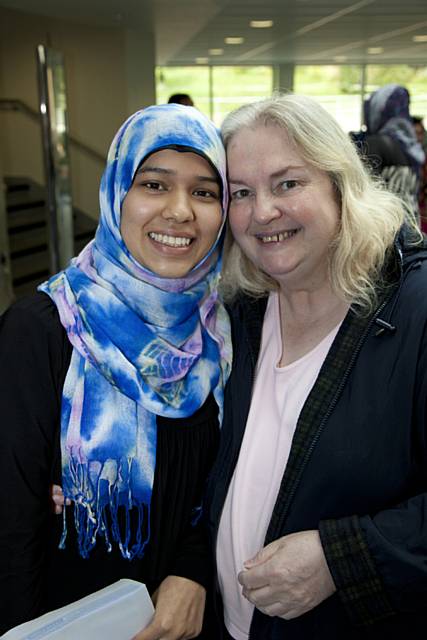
point(317, 502)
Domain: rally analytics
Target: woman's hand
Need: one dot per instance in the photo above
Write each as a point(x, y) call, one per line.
point(57, 498)
point(288, 577)
point(180, 605)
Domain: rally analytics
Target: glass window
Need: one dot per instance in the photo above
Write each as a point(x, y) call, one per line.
point(234, 86)
point(231, 86)
point(192, 80)
point(414, 78)
point(336, 87)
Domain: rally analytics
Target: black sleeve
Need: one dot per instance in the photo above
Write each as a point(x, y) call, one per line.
point(34, 355)
point(193, 559)
point(379, 561)
point(379, 564)
point(184, 465)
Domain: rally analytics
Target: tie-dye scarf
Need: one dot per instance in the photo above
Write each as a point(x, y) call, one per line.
point(143, 345)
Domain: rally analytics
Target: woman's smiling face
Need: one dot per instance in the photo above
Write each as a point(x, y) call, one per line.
point(284, 213)
point(172, 213)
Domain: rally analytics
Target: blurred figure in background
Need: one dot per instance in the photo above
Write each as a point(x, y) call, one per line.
point(389, 143)
point(181, 98)
point(422, 194)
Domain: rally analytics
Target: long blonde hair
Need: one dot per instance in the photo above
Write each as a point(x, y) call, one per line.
point(370, 215)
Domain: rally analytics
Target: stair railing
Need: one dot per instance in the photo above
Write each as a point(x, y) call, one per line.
point(13, 104)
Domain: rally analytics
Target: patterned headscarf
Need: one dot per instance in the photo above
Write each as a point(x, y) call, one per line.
point(143, 345)
point(386, 112)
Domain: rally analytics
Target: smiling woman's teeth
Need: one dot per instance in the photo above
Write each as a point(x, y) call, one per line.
point(171, 241)
point(278, 237)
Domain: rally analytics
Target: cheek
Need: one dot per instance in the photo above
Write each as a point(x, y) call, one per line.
point(237, 220)
point(211, 227)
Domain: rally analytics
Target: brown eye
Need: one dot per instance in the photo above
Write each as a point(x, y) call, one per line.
point(204, 193)
point(152, 185)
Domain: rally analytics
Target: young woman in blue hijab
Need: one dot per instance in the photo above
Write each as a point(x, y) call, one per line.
point(111, 385)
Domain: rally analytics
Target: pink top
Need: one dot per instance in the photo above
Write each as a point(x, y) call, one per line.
point(278, 396)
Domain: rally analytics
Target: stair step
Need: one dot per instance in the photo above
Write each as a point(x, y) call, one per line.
point(20, 221)
point(23, 241)
point(28, 233)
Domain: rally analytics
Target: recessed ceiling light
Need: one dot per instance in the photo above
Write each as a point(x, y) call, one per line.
point(201, 60)
point(340, 58)
point(216, 52)
point(234, 40)
point(375, 50)
point(420, 38)
point(261, 24)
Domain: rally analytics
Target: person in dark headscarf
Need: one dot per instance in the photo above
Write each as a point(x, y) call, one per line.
point(422, 196)
point(390, 144)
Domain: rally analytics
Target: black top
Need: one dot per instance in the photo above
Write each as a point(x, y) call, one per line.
point(383, 151)
point(35, 576)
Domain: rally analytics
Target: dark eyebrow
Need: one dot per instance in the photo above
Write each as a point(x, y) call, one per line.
point(153, 169)
point(209, 179)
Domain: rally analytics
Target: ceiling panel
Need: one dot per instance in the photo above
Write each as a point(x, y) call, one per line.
point(304, 31)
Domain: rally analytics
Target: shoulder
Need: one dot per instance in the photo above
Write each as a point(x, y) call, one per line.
point(245, 308)
point(388, 149)
point(31, 327)
point(32, 312)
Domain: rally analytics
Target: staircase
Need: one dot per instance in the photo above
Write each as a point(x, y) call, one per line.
point(26, 212)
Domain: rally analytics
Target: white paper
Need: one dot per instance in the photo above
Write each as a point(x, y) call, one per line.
point(117, 612)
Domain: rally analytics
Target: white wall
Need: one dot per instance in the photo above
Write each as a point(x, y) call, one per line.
point(96, 64)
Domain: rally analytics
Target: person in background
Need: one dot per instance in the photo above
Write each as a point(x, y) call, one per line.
point(111, 385)
point(181, 98)
point(317, 503)
point(422, 196)
point(389, 143)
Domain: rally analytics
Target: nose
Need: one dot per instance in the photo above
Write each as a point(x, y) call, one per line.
point(265, 209)
point(178, 207)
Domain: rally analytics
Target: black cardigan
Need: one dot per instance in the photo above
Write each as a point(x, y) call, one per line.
point(357, 470)
point(35, 576)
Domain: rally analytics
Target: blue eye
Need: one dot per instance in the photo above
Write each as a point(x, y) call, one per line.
point(240, 194)
point(286, 185)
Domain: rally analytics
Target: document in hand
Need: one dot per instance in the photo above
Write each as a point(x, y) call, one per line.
point(117, 612)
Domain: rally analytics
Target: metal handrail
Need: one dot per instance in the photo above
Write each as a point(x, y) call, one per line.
point(7, 104)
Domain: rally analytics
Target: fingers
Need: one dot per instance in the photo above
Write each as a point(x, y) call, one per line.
point(254, 578)
point(263, 555)
point(152, 632)
point(271, 603)
point(179, 611)
point(259, 597)
point(58, 499)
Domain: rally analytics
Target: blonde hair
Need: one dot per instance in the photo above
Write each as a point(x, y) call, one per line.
point(370, 215)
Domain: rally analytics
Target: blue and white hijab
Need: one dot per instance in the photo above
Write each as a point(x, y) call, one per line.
point(142, 345)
